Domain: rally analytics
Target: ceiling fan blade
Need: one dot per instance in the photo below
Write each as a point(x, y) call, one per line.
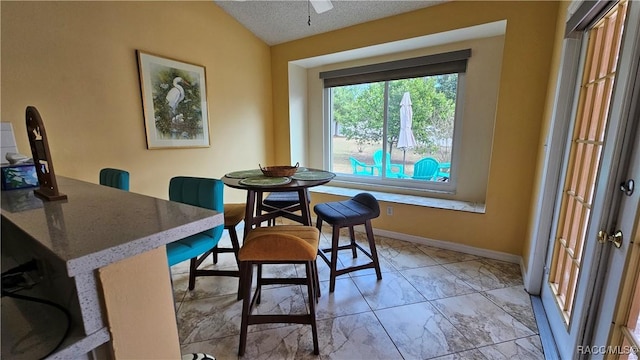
point(321, 6)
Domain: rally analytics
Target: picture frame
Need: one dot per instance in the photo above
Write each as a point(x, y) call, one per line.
point(174, 100)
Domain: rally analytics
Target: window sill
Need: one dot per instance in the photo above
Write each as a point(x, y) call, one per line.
point(405, 199)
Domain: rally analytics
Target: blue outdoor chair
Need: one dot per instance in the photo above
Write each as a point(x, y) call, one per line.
point(428, 169)
point(205, 193)
point(115, 178)
point(360, 168)
point(444, 171)
point(393, 170)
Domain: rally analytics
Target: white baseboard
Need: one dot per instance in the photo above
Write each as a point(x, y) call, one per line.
point(525, 275)
point(491, 254)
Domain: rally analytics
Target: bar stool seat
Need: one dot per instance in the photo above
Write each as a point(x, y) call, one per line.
point(282, 199)
point(358, 210)
point(285, 244)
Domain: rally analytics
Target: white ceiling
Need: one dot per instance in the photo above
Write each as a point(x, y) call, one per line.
point(277, 22)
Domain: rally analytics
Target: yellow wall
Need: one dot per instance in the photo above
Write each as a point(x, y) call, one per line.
point(528, 50)
point(76, 62)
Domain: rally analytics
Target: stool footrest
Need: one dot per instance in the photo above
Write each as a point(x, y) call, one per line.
point(224, 250)
point(348, 247)
point(233, 273)
point(370, 265)
point(343, 247)
point(349, 269)
point(279, 319)
point(283, 281)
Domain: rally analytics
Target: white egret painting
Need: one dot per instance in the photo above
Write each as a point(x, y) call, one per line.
point(174, 101)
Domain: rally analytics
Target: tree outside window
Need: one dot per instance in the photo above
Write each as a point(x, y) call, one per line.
point(358, 118)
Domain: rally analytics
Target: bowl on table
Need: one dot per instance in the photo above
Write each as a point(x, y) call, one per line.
point(279, 171)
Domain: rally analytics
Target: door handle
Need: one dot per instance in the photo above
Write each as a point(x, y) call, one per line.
point(616, 238)
point(627, 187)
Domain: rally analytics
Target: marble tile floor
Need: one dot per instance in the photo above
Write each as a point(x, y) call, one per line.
point(430, 304)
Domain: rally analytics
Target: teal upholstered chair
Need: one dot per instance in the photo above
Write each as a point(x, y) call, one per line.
point(360, 168)
point(393, 170)
point(429, 169)
point(205, 193)
point(115, 178)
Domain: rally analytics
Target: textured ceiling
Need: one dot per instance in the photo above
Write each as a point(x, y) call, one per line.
point(276, 22)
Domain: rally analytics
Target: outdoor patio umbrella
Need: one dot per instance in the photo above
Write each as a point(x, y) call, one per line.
point(405, 138)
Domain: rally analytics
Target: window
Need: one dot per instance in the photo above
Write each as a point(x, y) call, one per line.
point(394, 124)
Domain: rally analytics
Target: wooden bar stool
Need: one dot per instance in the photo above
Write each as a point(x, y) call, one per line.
point(286, 201)
point(285, 244)
point(358, 210)
point(233, 215)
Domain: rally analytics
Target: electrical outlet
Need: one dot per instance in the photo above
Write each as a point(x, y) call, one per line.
point(389, 210)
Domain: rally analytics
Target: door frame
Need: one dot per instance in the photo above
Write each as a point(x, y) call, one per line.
point(553, 166)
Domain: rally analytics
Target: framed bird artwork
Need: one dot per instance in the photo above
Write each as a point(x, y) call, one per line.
point(174, 101)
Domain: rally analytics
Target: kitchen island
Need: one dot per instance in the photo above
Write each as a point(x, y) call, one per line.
point(101, 254)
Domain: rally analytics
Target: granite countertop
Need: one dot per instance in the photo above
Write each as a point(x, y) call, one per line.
point(98, 225)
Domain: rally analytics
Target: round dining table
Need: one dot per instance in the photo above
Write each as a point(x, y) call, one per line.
point(256, 184)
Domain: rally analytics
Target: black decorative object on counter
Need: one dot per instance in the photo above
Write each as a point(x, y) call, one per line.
point(48, 189)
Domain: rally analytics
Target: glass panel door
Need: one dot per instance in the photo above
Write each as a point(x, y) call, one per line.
point(586, 147)
point(574, 256)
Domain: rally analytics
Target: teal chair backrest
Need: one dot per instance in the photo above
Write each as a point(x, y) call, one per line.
point(392, 169)
point(377, 158)
point(425, 169)
point(115, 178)
point(202, 192)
